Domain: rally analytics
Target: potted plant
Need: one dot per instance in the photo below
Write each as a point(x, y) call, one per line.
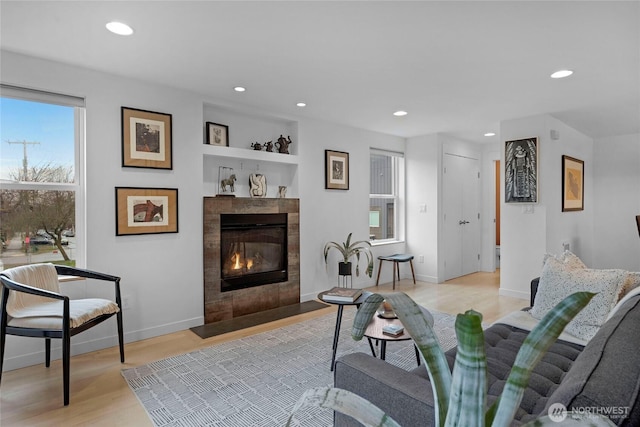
point(459, 397)
point(347, 250)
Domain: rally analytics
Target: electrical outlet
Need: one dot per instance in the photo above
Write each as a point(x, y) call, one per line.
point(423, 208)
point(421, 259)
point(126, 302)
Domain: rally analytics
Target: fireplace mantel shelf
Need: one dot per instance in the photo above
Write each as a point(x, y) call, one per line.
point(247, 154)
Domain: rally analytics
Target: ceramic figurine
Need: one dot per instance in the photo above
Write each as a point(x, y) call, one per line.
point(258, 184)
point(283, 144)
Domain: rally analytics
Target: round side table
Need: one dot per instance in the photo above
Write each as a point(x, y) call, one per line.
point(336, 333)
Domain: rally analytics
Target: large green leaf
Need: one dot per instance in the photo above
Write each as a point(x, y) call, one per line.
point(345, 402)
point(538, 341)
point(420, 330)
point(468, 396)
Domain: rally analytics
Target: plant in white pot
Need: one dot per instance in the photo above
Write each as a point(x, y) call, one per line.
point(349, 249)
point(460, 398)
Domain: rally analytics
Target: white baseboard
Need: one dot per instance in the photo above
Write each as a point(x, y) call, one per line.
point(514, 294)
point(425, 278)
point(81, 347)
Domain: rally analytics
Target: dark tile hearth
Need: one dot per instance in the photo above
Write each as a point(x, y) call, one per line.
point(254, 319)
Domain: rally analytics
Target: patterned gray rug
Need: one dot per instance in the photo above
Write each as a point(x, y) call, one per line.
point(255, 381)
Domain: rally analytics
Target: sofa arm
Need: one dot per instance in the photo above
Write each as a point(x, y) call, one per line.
point(534, 290)
point(404, 396)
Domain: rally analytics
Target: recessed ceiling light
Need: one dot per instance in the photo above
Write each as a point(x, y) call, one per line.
point(490, 134)
point(239, 89)
point(119, 28)
point(301, 104)
point(561, 74)
point(400, 113)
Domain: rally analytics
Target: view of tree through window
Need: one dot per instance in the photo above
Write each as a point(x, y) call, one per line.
point(38, 182)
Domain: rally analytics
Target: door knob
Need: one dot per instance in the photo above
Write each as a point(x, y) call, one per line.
point(461, 222)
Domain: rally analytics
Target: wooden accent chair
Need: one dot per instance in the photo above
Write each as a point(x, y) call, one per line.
point(32, 306)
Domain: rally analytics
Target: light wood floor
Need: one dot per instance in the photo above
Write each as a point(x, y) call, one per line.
point(32, 396)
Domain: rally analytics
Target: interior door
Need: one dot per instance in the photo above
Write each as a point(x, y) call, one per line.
point(461, 215)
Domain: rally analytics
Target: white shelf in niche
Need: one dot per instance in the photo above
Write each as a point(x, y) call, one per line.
point(247, 154)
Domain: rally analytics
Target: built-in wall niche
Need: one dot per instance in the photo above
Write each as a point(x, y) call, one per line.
point(246, 128)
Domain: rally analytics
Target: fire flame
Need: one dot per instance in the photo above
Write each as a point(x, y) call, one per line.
point(237, 264)
point(236, 261)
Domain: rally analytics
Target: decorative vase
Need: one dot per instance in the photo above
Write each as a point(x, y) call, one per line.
point(344, 268)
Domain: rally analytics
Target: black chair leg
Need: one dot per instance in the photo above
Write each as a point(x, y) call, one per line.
point(120, 336)
point(3, 334)
point(47, 352)
point(66, 356)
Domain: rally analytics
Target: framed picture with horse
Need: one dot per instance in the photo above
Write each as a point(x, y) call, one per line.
point(146, 210)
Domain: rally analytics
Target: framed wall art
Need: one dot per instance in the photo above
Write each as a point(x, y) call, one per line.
point(336, 170)
point(521, 171)
point(146, 210)
point(572, 184)
point(146, 139)
point(217, 134)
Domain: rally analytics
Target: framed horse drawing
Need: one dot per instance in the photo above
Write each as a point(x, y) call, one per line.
point(146, 210)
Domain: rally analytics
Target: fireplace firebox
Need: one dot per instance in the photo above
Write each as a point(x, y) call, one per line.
point(253, 250)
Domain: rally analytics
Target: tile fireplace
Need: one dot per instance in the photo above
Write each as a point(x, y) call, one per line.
point(251, 256)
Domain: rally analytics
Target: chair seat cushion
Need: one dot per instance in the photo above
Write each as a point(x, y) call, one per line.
point(396, 258)
point(49, 315)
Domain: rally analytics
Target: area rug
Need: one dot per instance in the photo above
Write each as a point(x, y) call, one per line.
point(255, 381)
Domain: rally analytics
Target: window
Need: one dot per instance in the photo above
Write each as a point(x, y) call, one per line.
point(41, 202)
point(386, 196)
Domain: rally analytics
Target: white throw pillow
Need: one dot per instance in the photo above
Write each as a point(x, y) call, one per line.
point(631, 282)
point(559, 280)
point(567, 257)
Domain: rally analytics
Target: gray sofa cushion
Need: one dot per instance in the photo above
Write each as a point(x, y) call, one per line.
point(407, 396)
point(607, 373)
point(502, 343)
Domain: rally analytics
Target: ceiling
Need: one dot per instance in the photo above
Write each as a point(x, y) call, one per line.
point(457, 67)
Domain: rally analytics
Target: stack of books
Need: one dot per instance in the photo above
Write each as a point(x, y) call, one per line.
point(343, 295)
point(393, 330)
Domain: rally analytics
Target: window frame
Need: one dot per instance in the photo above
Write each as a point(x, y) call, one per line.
point(78, 186)
point(397, 194)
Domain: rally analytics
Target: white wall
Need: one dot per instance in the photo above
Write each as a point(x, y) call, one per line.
point(617, 194)
point(423, 160)
point(526, 237)
point(330, 215)
point(162, 273)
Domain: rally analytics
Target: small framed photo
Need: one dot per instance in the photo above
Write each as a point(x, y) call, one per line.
point(146, 139)
point(572, 184)
point(336, 170)
point(521, 171)
point(146, 210)
point(217, 134)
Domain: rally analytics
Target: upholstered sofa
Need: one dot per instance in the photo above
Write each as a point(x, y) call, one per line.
point(599, 375)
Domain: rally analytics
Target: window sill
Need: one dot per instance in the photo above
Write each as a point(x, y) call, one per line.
point(385, 242)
